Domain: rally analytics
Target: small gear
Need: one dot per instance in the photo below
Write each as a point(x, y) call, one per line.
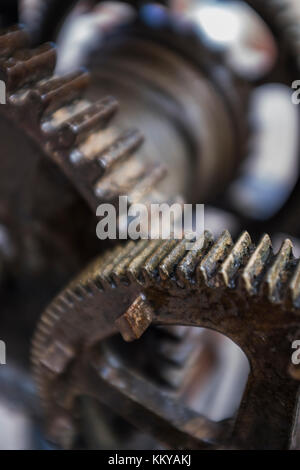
point(243, 291)
point(68, 127)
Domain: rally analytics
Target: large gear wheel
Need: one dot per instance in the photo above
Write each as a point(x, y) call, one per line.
point(66, 125)
point(243, 291)
point(51, 118)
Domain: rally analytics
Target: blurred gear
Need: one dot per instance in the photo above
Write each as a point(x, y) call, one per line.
point(56, 121)
point(42, 17)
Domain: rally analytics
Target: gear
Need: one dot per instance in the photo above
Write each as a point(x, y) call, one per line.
point(234, 289)
point(67, 126)
point(50, 117)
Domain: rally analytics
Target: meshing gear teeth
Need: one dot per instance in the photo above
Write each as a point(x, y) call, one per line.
point(52, 110)
point(241, 290)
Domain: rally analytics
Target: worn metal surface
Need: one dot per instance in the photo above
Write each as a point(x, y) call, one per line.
point(240, 290)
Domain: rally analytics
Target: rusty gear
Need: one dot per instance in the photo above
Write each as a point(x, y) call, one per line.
point(51, 118)
point(64, 124)
point(240, 290)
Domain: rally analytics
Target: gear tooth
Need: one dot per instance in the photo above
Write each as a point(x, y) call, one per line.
point(293, 295)
point(95, 269)
point(119, 258)
point(72, 296)
point(208, 267)
point(87, 171)
point(49, 318)
point(12, 39)
point(278, 274)
point(118, 255)
point(150, 268)
point(168, 266)
point(119, 273)
point(237, 258)
point(135, 321)
point(257, 265)
point(120, 180)
point(120, 149)
point(136, 265)
point(76, 129)
point(146, 184)
point(93, 272)
point(27, 66)
point(50, 95)
point(186, 267)
point(92, 169)
point(78, 291)
point(68, 299)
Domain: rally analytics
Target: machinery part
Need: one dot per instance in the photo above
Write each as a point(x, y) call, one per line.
point(211, 152)
point(231, 288)
point(62, 122)
point(51, 118)
point(147, 69)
